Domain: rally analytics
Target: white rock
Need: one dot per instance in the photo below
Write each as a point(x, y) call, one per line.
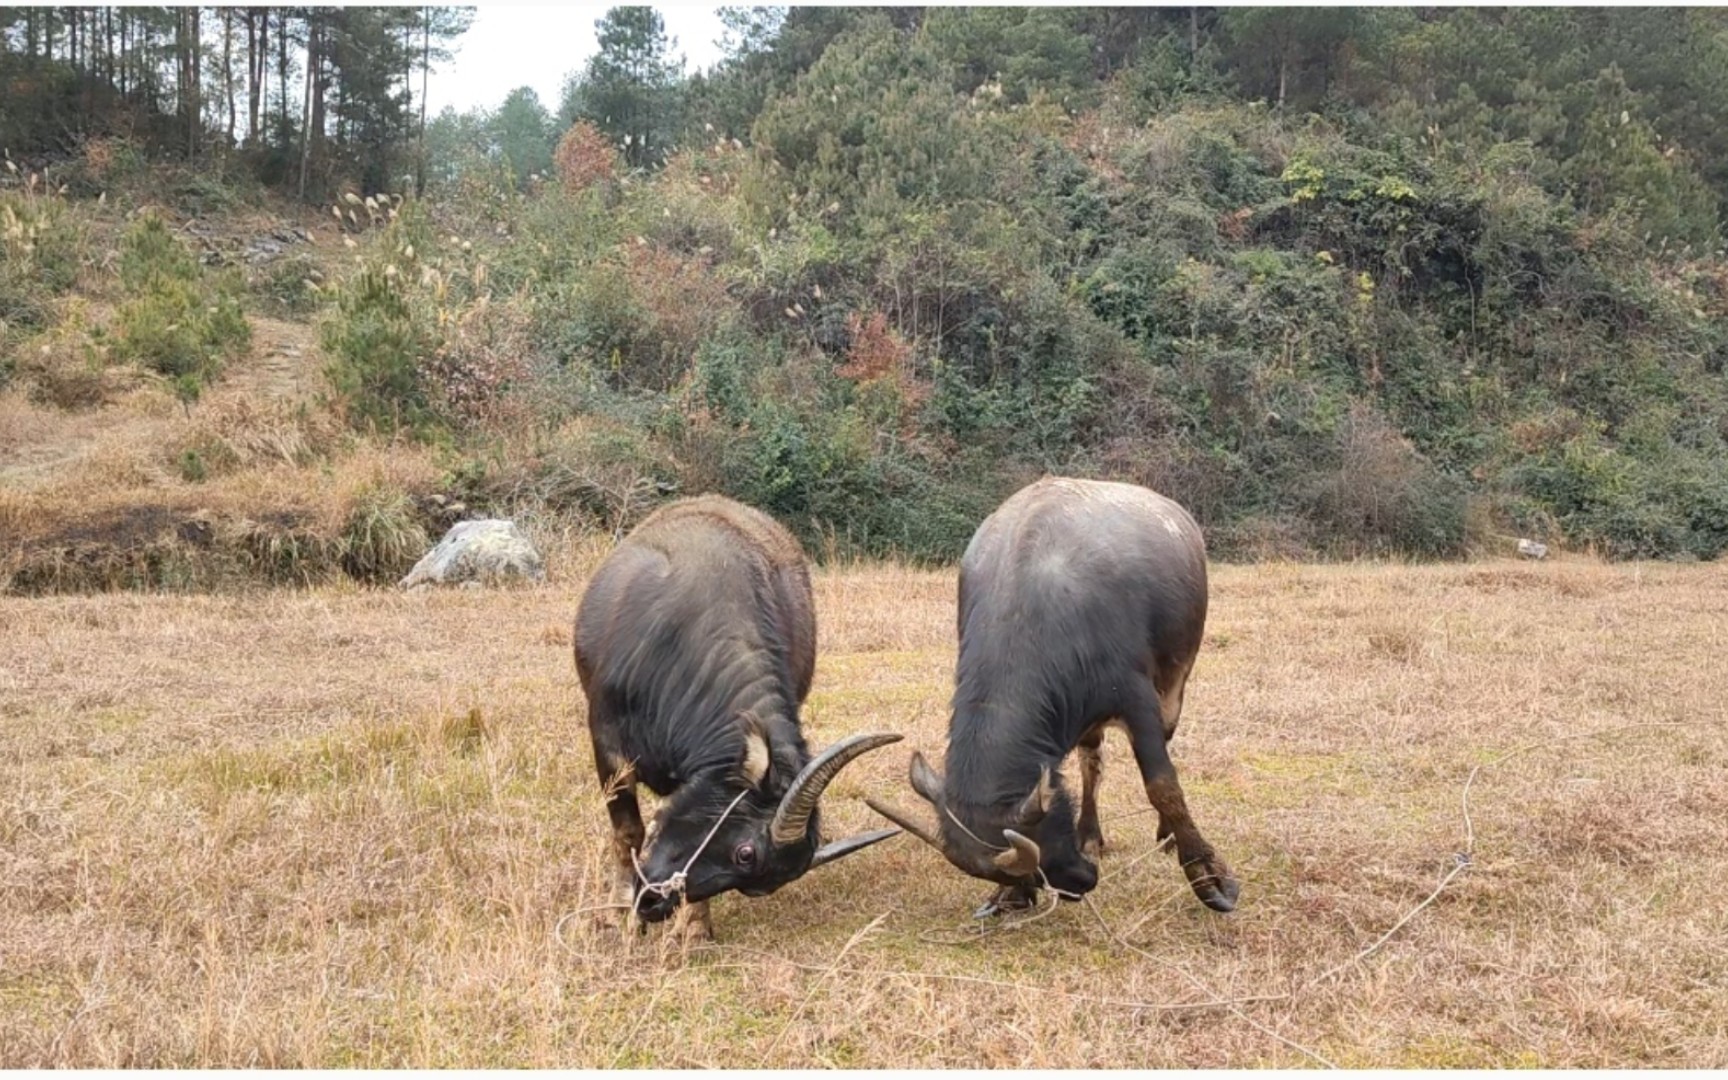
point(483, 552)
point(1530, 549)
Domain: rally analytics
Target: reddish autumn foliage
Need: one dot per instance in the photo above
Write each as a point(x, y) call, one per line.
point(584, 158)
point(876, 350)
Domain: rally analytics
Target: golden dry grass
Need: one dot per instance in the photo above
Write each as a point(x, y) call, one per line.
point(267, 830)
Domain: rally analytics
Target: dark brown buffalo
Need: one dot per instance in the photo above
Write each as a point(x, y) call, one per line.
point(1082, 605)
point(696, 644)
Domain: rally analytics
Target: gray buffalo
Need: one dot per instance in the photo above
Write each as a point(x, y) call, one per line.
point(1082, 606)
point(696, 645)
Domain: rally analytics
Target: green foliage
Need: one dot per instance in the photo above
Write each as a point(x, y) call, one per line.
point(1340, 280)
point(874, 124)
point(177, 319)
point(376, 347)
point(523, 130)
point(1019, 53)
point(41, 248)
point(630, 87)
point(382, 537)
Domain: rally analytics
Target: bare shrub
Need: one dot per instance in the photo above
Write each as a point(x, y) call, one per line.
point(1176, 468)
point(63, 368)
point(475, 375)
point(1264, 538)
point(246, 430)
point(1384, 495)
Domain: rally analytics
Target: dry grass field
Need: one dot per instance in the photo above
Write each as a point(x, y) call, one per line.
point(351, 827)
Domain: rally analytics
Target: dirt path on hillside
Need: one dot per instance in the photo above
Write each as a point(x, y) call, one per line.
point(39, 443)
point(282, 362)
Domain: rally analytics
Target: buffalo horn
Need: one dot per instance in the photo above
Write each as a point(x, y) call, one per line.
point(1022, 855)
point(827, 853)
point(792, 819)
point(1037, 804)
point(904, 822)
point(925, 780)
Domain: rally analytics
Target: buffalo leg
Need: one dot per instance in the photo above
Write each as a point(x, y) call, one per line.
point(1171, 679)
point(618, 785)
point(694, 923)
point(1207, 872)
point(1091, 771)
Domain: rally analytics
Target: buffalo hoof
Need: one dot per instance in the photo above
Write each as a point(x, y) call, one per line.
point(1006, 900)
point(1213, 884)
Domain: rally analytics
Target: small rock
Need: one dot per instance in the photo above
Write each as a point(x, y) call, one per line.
point(1530, 549)
point(481, 552)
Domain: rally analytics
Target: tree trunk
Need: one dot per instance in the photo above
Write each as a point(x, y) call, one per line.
point(1283, 74)
point(282, 71)
point(306, 113)
point(425, 76)
point(194, 73)
point(228, 68)
point(252, 52)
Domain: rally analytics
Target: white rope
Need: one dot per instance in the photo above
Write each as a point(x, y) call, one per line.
point(981, 841)
point(675, 883)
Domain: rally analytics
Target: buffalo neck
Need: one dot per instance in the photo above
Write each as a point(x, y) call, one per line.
point(694, 711)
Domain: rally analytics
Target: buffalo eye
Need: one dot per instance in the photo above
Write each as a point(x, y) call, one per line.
point(744, 855)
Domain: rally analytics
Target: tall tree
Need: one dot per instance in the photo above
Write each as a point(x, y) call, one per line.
point(630, 87)
point(523, 131)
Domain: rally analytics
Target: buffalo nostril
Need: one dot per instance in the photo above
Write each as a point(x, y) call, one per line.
point(654, 908)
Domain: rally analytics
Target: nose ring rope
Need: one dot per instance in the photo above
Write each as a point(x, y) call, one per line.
point(675, 883)
point(981, 842)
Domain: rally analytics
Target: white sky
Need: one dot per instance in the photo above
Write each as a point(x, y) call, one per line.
point(532, 44)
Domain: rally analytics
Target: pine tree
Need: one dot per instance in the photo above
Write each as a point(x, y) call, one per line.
point(631, 88)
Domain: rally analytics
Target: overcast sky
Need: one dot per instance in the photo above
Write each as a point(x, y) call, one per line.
point(529, 44)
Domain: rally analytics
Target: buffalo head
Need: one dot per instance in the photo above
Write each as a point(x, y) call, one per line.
point(753, 827)
point(1020, 843)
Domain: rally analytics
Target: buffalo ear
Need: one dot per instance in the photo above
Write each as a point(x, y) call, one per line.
point(757, 757)
point(925, 780)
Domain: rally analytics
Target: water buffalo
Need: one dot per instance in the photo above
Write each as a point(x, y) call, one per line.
point(696, 645)
point(1082, 605)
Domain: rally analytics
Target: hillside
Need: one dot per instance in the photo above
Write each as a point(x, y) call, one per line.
point(1396, 296)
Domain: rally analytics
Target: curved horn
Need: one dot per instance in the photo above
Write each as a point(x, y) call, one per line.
point(839, 849)
point(1036, 805)
point(927, 782)
point(793, 817)
point(1022, 855)
point(904, 822)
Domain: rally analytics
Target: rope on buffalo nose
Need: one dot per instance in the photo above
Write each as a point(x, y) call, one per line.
point(973, 931)
point(675, 883)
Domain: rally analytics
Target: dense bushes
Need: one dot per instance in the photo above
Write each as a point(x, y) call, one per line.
point(924, 284)
point(41, 248)
point(177, 319)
